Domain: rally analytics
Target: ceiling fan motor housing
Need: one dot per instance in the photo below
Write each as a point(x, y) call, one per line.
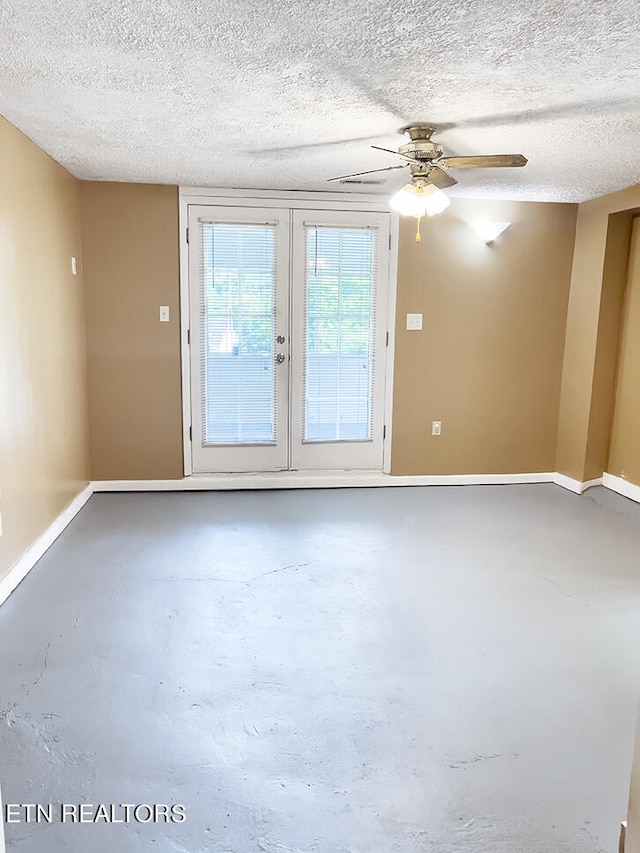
point(421, 150)
point(421, 147)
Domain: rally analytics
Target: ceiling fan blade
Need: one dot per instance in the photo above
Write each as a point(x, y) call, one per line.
point(483, 161)
point(439, 178)
point(368, 172)
point(397, 153)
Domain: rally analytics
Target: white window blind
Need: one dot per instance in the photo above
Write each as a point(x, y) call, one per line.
point(341, 292)
point(237, 280)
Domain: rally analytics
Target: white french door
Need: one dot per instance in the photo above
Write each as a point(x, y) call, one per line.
point(239, 310)
point(338, 339)
point(287, 331)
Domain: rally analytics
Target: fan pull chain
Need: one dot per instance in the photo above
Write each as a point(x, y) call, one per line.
point(418, 238)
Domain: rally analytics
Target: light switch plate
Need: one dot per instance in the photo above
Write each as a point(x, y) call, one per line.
point(164, 313)
point(414, 322)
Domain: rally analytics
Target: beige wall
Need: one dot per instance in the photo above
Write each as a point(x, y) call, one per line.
point(624, 455)
point(614, 276)
point(43, 409)
point(595, 305)
point(488, 361)
point(130, 236)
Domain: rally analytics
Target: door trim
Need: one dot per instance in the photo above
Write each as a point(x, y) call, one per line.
point(293, 200)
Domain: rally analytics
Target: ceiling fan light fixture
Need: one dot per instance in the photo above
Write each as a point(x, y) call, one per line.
point(489, 230)
point(419, 200)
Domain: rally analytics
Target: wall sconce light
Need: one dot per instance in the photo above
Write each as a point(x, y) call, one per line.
point(488, 229)
point(418, 198)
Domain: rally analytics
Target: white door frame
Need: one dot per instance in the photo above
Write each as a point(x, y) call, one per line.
point(293, 200)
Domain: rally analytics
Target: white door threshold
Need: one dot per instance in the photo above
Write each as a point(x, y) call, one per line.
point(313, 480)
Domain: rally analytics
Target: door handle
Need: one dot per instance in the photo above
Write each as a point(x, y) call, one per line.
point(280, 357)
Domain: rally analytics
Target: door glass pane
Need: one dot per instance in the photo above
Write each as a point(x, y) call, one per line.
point(238, 279)
point(339, 333)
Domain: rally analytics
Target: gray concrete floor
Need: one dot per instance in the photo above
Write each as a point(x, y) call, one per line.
point(372, 671)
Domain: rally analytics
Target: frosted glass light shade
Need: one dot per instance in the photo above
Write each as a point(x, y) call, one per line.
point(437, 201)
point(409, 201)
point(418, 201)
point(489, 230)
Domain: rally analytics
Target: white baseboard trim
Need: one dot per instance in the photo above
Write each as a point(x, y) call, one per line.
point(622, 487)
point(21, 569)
point(575, 485)
point(313, 480)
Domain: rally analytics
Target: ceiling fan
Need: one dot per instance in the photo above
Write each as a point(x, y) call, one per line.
point(429, 171)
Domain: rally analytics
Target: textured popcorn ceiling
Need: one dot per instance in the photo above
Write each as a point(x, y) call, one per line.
point(287, 93)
